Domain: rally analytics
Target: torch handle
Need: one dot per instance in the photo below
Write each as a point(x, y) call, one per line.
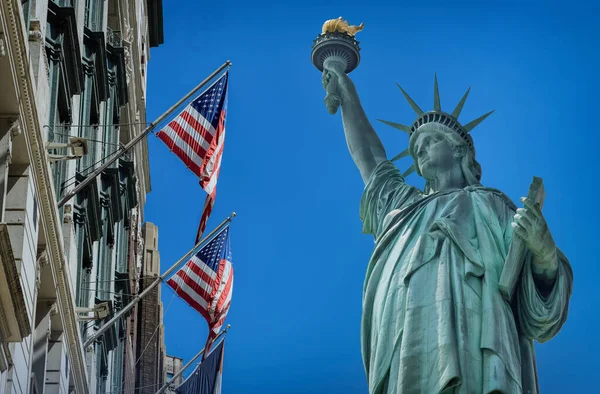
point(333, 98)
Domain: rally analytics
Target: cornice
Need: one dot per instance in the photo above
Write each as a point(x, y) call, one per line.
point(14, 283)
point(2, 44)
point(155, 22)
point(4, 344)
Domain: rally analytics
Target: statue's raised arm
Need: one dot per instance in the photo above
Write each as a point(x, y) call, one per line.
point(365, 146)
point(434, 316)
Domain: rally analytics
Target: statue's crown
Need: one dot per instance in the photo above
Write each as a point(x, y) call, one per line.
point(450, 121)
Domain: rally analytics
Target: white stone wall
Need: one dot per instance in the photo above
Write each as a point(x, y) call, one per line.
point(21, 208)
point(23, 234)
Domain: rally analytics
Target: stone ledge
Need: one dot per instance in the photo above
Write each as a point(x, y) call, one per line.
point(14, 324)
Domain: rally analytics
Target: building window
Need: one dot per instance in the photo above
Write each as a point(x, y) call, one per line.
point(117, 374)
point(67, 371)
point(110, 136)
point(35, 212)
point(84, 118)
point(25, 4)
point(101, 367)
point(82, 295)
point(104, 275)
point(83, 275)
point(58, 119)
point(122, 246)
point(94, 10)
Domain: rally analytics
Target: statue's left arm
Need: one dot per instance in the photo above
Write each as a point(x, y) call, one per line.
point(546, 281)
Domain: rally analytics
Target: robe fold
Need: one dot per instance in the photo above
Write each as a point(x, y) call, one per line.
point(434, 320)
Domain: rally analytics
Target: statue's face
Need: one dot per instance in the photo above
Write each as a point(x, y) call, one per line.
point(434, 154)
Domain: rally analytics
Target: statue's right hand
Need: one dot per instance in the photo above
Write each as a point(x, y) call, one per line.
point(331, 71)
point(327, 76)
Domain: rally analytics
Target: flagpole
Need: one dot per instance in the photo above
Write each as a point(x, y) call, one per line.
point(158, 280)
point(200, 353)
point(122, 150)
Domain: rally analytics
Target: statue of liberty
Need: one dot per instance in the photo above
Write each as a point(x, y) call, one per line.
point(434, 320)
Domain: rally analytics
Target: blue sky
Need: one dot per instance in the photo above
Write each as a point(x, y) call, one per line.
point(298, 251)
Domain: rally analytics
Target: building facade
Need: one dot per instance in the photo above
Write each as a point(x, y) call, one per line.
point(71, 69)
point(150, 338)
point(173, 366)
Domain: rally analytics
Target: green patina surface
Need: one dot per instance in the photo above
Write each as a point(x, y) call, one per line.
point(434, 319)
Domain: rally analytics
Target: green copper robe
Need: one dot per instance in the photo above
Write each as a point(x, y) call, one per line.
point(433, 317)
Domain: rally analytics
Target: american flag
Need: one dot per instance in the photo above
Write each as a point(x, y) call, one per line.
point(197, 136)
point(206, 282)
point(208, 376)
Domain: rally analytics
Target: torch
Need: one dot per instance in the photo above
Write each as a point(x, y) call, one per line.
point(336, 44)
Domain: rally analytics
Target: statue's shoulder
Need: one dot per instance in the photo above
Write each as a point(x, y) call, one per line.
point(496, 194)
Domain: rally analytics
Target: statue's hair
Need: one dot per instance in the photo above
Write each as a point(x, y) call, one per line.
point(470, 166)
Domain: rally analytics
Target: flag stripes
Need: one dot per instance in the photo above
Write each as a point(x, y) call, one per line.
point(205, 282)
point(197, 137)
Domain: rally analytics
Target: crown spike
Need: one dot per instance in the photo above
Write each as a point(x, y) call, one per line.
point(398, 126)
point(471, 125)
point(400, 155)
point(409, 171)
point(436, 94)
point(461, 103)
point(414, 105)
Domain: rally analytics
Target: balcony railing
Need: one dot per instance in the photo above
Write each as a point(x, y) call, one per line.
point(114, 38)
